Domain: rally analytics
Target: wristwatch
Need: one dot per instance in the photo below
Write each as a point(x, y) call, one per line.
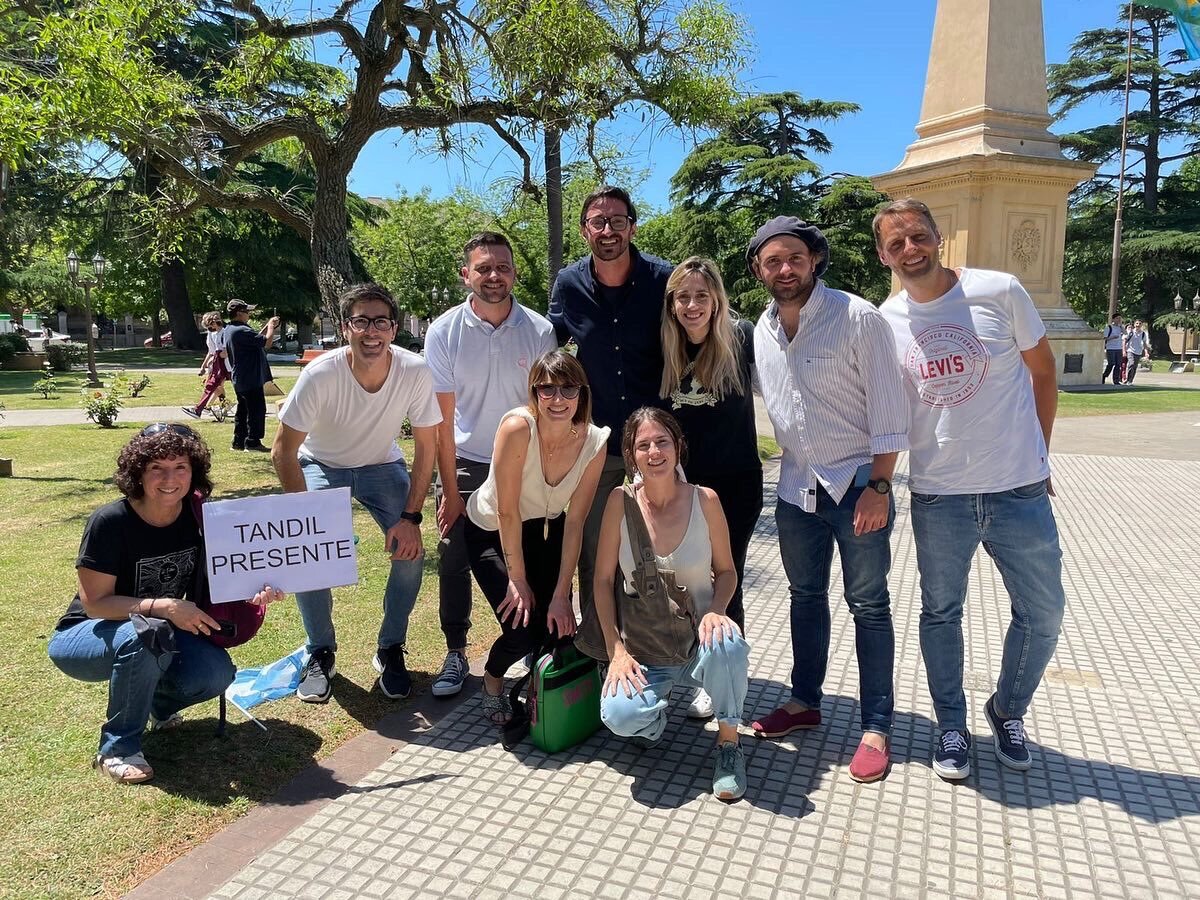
point(415, 517)
point(879, 485)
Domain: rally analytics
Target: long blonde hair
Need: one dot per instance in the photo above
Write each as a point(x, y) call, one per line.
point(719, 363)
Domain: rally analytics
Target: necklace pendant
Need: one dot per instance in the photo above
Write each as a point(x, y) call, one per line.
point(545, 529)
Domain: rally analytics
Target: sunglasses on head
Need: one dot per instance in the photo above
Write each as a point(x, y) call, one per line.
point(566, 391)
point(160, 427)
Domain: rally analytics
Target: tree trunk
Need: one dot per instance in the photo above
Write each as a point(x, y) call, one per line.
point(554, 210)
point(332, 262)
point(175, 300)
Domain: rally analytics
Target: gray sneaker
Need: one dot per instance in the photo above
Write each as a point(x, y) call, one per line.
point(316, 684)
point(729, 772)
point(450, 680)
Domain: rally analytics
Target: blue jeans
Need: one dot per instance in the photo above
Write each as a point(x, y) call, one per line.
point(383, 490)
point(806, 542)
point(721, 671)
point(1018, 532)
point(110, 650)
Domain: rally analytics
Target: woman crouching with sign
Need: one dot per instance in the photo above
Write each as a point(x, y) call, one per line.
point(523, 549)
point(667, 624)
point(135, 622)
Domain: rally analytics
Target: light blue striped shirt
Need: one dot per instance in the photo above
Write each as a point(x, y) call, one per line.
point(834, 392)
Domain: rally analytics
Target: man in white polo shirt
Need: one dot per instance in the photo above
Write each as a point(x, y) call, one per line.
point(982, 382)
point(338, 428)
point(833, 391)
point(479, 354)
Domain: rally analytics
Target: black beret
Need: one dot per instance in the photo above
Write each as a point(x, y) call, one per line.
point(780, 225)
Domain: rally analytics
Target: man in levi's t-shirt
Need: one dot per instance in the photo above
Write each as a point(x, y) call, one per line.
point(983, 391)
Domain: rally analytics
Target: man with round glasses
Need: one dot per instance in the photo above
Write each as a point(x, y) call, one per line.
point(338, 428)
point(610, 303)
point(479, 354)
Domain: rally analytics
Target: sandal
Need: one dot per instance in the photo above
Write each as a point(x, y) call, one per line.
point(496, 708)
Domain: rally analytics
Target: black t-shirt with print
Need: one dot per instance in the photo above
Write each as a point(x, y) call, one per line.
point(721, 434)
point(147, 560)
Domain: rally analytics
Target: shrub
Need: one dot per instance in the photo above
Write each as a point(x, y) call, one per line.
point(46, 386)
point(10, 345)
point(63, 357)
point(102, 405)
point(138, 385)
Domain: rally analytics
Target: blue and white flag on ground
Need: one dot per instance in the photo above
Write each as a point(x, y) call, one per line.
point(280, 679)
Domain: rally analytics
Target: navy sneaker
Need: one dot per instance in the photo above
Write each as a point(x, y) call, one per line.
point(394, 680)
point(316, 684)
point(1009, 738)
point(952, 756)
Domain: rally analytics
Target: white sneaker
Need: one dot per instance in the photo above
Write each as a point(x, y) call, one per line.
point(701, 706)
point(132, 769)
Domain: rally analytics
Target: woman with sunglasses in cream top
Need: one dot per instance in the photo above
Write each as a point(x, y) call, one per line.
point(525, 524)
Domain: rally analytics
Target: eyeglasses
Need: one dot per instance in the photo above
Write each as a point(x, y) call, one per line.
point(549, 391)
point(361, 324)
point(616, 223)
point(160, 427)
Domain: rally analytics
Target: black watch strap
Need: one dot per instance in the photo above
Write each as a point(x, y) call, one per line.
point(879, 485)
point(415, 517)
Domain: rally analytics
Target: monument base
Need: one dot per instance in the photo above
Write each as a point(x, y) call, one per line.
point(1078, 349)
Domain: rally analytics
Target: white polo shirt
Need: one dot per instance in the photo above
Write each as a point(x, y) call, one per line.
point(486, 368)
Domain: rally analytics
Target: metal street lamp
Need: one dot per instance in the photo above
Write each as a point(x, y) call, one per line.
point(1178, 302)
point(99, 263)
point(1196, 302)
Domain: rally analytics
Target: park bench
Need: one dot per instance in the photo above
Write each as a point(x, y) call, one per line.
point(308, 356)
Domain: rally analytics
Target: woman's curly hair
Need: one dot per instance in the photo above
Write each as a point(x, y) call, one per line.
point(168, 442)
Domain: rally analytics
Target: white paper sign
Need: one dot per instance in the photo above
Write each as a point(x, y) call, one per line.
point(293, 542)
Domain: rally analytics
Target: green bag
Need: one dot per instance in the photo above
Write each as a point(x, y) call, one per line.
point(563, 707)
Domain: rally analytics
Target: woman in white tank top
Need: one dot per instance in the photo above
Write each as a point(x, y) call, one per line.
point(689, 536)
point(522, 546)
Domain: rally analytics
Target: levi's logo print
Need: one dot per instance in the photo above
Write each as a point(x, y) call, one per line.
point(947, 363)
point(169, 575)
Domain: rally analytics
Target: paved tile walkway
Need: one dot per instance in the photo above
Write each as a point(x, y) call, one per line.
point(1111, 807)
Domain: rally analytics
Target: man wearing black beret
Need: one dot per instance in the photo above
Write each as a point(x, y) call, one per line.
point(833, 390)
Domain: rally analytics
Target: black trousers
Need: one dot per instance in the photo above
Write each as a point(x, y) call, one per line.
point(741, 496)
point(1115, 358)
point(454, 567)
point(250, 422)
point(543, 556)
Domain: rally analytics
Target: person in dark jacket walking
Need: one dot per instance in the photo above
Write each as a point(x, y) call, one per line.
point(247, 353)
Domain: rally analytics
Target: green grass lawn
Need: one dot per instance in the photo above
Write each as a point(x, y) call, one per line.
point(166, 389)
point(1133, 399)
point(71, 834)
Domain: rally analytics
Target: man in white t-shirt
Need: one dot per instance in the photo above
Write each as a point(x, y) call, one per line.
point(983, 392)
point(479, 354)
point(338, 428)
point(1137, 345)
point(1114, 343)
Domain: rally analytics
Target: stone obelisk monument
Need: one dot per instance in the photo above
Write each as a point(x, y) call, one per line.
point(986, 165)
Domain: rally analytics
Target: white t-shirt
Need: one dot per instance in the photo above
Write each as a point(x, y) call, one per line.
point(215, 340)
point(539, 500)
point(348, 427)
point(486, 368)
point(974, 423)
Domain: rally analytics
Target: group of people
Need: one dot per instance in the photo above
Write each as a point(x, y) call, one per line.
point(1125, 345)
point(534, 445)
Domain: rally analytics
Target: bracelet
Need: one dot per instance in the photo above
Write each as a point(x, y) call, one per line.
point(151, 607)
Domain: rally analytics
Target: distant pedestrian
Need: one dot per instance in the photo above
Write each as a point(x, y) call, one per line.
point(246, 351)
point(1114, 340)
point(213, 369)
point(1137, 345)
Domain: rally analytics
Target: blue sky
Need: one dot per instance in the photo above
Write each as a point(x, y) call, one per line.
point(870, 52)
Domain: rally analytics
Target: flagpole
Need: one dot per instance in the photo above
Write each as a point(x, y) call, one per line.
point(1115, 276)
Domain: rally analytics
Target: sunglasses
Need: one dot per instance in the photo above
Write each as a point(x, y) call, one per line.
point(160, 427)
point(549, 391)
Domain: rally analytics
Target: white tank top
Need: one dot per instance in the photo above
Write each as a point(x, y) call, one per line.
point(691, 561)
point(539, 500)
